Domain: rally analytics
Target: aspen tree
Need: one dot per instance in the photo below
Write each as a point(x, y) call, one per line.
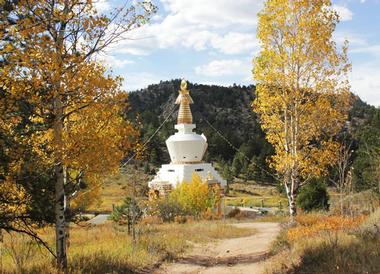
point(302, 88)
point(50, 62)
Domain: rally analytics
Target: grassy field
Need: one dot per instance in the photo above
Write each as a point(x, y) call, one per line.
point(249, 201)
point(116, 188)
point(248, 194)
point(254, 195)
point(109, 249)
point(361, 202)
point(328, 244)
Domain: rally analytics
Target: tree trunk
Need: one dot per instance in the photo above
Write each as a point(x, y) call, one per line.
point(60, 222)
point(341, 201)
point(1, 250)
point(60, 198)
point(67, 213)
point(291, 192)
point(292, 204)
point(129, 225)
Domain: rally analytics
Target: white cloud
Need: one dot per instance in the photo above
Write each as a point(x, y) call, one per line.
point(102, 5)
point(236, 43)
point(354, 39)
point(108, 59)
point(135, 81)
point(136, 42)
point(114, 62)
point(224, 25)
point(373, 50)
point(365, 82)
point(223, 67)
point(215, 14)
point(345, 14)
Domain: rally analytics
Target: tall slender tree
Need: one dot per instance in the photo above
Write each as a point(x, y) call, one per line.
point(50, 62)
point(302, 88)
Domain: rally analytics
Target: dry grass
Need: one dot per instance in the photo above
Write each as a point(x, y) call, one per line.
point(249, 201)
point(357, 203)
point(108, 248)
point(329, 253)
point(116, 188)
point(244, 189)
point(253, 195)
point(273, 219)
point(338, 247)
point(314, 224)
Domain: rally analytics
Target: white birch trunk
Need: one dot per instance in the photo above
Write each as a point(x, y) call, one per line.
point(60, 197)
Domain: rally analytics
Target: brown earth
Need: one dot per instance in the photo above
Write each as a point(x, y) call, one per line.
point(228, 256)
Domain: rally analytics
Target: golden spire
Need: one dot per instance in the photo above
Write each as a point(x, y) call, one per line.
point(184, 100)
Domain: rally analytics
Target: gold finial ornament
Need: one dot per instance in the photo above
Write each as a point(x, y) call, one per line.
point(183, 84)
point(184, 100)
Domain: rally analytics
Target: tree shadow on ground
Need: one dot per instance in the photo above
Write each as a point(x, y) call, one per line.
point(207, 261)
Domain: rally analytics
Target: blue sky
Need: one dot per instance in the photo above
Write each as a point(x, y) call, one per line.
point(214, 42)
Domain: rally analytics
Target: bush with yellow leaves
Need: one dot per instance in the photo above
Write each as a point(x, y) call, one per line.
point(195, 197)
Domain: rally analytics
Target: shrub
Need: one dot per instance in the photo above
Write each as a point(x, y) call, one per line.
point(194, 198)
point(151, 220)
point(233, 213)
point(210, 215)
point(312, 225)
point(339, 254)
point(169, 209)
point(313, 196)
point(19, 248)
point(127, 213)
point(370, 229)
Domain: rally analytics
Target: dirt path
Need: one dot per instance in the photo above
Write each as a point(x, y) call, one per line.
point(228, 256)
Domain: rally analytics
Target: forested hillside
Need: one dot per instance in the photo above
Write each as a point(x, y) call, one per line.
point(228, 109)
point(365, 134)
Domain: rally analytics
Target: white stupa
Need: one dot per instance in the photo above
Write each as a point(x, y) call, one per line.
point(186, 149)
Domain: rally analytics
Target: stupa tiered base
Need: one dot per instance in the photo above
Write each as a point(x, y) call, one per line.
point(173, 174)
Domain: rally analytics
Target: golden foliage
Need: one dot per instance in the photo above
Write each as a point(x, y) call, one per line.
point(192, 196)
point(196, 197)
point(53, 72)
point(13, 201)
point(311, 225)
point(302, 87)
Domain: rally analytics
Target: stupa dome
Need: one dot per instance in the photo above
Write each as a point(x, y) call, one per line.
point(185, 146)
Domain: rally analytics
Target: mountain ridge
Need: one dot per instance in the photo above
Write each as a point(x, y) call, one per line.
point(229, 111)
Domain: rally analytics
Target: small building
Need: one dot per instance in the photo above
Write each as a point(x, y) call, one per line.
point(186, 149)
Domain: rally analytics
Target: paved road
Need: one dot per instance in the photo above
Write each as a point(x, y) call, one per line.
point(99, 219)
